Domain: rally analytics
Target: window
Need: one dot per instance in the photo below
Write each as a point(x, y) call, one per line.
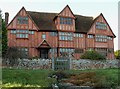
point(102, 51)
point(110, 50)
point(53, 33)
point(22, 20)
point(65, 36)
point(13, 31)
point(53, 50)
point(101, 25)
point(43, 36)
point(101, 38)
point(23, 52)
point(90, 36)
point(109, 38)
point(90, 49)
point(31, 32)
point(78, 35)
point(79, 50)
point(66, 50)
point(64, 20)
point(22, 33)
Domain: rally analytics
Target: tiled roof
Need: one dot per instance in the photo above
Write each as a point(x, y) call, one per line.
point(83, 23)
point(45, 21)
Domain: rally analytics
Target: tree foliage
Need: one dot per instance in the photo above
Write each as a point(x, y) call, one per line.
point(0, 14)
point(0, 32)
point(117, 54)
point(4, 39)
point(12, 55)
point(92, 55)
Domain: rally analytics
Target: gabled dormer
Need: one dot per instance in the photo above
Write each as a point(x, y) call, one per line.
point(65, 20)
point(67, 12)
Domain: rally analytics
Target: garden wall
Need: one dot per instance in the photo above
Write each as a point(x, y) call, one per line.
point(94, 64)
point(35, 63)
point(76, 64)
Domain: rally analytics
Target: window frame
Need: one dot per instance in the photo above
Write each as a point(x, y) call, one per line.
point(25, 50)
point(31, 32)
point(22, 33)
point(66, 36)
point(22, 20)
point(53, 33)
point(13, 31)
point(43, 36)
point(101, 25)
point(100, 38)
point(90, 36)
point(66, 20)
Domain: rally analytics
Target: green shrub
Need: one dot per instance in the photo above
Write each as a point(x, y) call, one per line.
point(92, 55)
point(117, 54)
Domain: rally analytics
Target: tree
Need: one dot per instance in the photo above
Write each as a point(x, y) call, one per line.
point(0, 33)
point(117, 54)
point(92, 55)
point(4, 39)
point(12, 56)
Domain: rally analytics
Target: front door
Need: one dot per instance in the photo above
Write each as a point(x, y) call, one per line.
point(44, 53)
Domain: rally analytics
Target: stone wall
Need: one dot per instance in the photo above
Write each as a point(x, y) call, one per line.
point(35, 63)
point(76, 64)
point(94, 64)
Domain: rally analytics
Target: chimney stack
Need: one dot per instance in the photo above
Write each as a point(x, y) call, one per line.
point(6, 18)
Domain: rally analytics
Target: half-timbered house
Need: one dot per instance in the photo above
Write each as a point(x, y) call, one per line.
point(41, 34)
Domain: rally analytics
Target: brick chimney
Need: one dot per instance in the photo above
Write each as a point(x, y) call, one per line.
point(6, 17)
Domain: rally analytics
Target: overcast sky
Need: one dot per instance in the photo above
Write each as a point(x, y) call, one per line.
point(109, 8)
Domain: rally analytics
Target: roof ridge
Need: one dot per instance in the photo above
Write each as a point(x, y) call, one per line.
point(57, 13)
point(42, 12)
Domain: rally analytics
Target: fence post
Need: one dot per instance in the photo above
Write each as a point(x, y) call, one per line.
point(70, 60)
point(53, 60)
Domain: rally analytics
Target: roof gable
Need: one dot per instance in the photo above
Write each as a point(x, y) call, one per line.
point(44, 44)
point(14, 19)
point(100, 18)
point(110, 30)
point(22, 13)
point(67, 12)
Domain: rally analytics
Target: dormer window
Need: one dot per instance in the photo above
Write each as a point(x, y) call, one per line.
point(101, 25)
point(64, 20)
point(22, 20)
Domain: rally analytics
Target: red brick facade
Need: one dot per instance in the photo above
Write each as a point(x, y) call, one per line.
point(42, 34)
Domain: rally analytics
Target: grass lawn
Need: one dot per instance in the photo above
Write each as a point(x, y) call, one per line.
point(26, 78)
point(39, 78)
